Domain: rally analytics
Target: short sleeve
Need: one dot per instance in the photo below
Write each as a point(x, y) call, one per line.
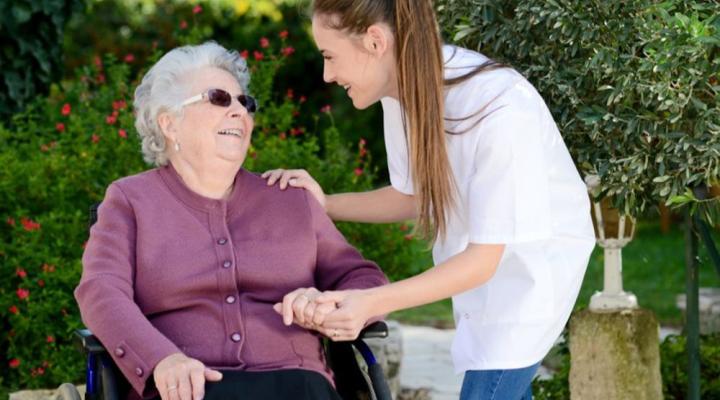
point(396, 146)
point(508, 197)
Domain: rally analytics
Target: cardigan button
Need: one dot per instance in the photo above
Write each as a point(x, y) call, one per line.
point(227, 264)
point(235, 337)
point(230, 299)
point(138, 371)
point(222, 241)
point(119, 352)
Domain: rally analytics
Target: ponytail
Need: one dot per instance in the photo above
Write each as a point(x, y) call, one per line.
point(418, 53)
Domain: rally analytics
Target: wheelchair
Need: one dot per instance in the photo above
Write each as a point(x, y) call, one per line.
point(104, 381)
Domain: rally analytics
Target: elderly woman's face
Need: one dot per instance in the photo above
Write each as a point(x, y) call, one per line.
point(210, 133)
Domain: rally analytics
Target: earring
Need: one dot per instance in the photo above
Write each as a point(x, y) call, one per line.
point(177, 146)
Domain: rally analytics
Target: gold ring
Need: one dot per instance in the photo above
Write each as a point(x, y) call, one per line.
point(335, 333)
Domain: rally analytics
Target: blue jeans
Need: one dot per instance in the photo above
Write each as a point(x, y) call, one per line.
point(499, 384)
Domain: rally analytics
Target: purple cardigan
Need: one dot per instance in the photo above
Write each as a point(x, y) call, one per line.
point(166, 270)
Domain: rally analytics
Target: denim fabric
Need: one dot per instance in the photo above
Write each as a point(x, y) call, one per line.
point(499, 384)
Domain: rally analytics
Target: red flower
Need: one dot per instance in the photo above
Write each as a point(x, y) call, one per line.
point(244, 54)
point(20, 272)
point(41, 283)
point(40, 371)
point(283, 34)
point(258, 55)
point(29, 225)
point(14, 310)
point(363, 152)
point(111, 119)
point(358, 171)
point(408, 236)
point(11, 221)
point(22, 294)
point(287, 51)
point(115, 113)
point(48, 268)
point(326, 108)
point(119, 105)
point(130, 57)
point(60, 127)
point(101, 78)
point(14, 363)
point(122, 133)
point(95, 138)
point(403, 228)
point(183, 24)
point(197, 9)
point(290, 93)
point(295, 113)
point(65, 109)
point(264, 42)
point(50, 339)
point(98, 62)
point(362, 142)
point(303, 99)
point(283, 136)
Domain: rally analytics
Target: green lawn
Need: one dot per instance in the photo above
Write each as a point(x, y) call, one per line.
point(653, 269)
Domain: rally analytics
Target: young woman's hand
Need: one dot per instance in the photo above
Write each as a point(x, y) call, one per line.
point(299, 307)
point(295, 178)
point(354, 309)
point(179, 377)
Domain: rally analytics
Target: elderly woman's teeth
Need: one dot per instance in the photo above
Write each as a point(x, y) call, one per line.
point(233, 132)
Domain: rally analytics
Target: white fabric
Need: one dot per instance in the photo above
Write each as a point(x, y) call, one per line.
point(517, 186)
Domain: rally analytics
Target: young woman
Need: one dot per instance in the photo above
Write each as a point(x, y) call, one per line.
point(476, 158)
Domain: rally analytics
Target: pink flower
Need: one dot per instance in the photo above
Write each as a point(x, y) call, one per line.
point(358, 171)
point(22, 294)
point(65, 109)
point(362, 142)
point(197, 9)
point(129, 58)
point(111, 119)
point(95, 138)
point(408, 237)
point(264, 42)
point(14, 363)
point(21, 273)
point(244, 54)
point(122, 133)
point(325, 109)
point(29, 225)
point(183, 24)
point(303, 99)
point(287, 51)
point(98, 62)
point(60, 127)
point(119, 105)
point(41, 283)
point(101, 78)
point(40, 371)
point(14, 310)
point(283, 34)
point(258, 55)
point(50, 339)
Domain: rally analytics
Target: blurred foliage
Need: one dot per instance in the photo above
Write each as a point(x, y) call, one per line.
point(633, 85)
point(31, 34)
point(63, 150)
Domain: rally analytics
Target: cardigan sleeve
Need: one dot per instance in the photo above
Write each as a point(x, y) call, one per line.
point(105, 294)
point(339, 265)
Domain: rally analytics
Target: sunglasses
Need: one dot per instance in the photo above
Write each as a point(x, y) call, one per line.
point(221, 98)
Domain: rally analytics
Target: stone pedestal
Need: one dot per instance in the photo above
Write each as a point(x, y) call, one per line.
point(709, 299)
point(388, 353)
point(615, 356)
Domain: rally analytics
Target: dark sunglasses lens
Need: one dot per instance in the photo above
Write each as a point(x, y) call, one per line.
point(219, 97)
point(248, 102)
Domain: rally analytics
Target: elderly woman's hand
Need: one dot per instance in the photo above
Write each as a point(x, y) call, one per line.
point(299, 306)
point(296, 178)
point(179, 377)
point(354, 309)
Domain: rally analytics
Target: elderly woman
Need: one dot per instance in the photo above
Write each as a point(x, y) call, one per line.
point(186, 260)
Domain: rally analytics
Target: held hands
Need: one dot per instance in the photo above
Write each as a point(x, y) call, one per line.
point(339, 315)
point(178, 377)
point(296, 178)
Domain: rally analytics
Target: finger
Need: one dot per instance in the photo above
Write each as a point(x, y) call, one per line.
point(184, 389)
point(299, 305)
point(284, 179)
point(161, 387)
point(330, 297)
point(287, 307)
point(309, 313)
point(266, 173)
point(172, 389)
point(212, 375)
point(321, 311)
point(273, 177)
point(197, 380)
point(278, 307)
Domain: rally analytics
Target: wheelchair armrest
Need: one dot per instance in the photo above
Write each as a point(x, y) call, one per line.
point(89, 342)
point(377, 329)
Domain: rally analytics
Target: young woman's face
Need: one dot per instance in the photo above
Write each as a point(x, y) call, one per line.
point(351, 62)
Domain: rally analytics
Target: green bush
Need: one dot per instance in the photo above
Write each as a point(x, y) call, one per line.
point(633, 85)
point(674, 362)
point(60, 154)
point(31, 56)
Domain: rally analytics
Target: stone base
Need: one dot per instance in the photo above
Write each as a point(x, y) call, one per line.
point(709, 304)
point(43, 394)
point(615, 356)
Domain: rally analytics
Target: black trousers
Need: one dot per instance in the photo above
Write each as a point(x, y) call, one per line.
point(296, 384)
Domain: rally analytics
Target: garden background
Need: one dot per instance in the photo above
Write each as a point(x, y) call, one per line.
point(634, 88)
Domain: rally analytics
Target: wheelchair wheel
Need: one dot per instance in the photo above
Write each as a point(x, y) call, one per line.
point(68, 391)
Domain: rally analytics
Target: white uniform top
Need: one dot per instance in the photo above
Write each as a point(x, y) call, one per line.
point(517, 186)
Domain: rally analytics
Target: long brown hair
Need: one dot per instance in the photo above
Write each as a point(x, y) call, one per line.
point(419, 58)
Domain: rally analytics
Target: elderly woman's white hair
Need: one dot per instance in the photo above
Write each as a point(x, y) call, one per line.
point(162, 90)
